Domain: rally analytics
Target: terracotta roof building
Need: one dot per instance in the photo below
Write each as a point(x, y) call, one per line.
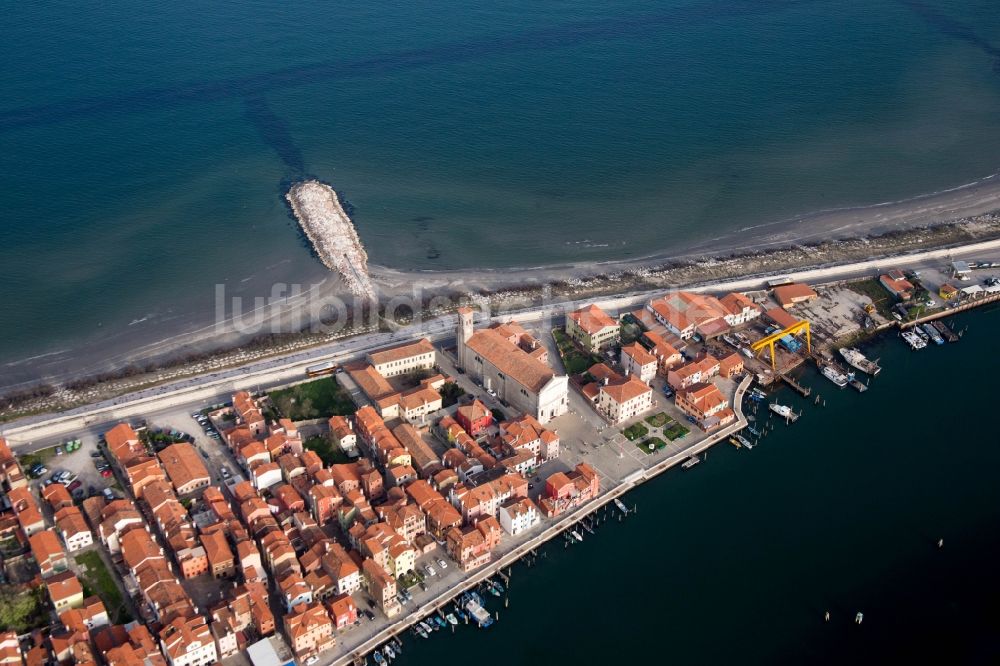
point(184, 468)
point(592, 328)
point(789, 295)
point(404, 358)
point(515, 375)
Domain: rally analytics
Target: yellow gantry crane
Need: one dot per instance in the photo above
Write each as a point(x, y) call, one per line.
point(769, 341)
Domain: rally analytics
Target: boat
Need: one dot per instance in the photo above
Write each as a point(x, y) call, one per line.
point(497, 585)
point(835, 376)
point(744, 441)
point(420, 631)
point(915, 341)
point(473, 603)
point(933, 334)
point(377, 656)
point(397, 645)
point(426, 627)
point(389, 652)
point(859, 361)
point(735, 442)
point(945, 330)
point(576, 535)
point(757, 395)
point(753, 431)
point(460, 613)
point(784, 411)
point(621, 506)
point(923, 336)
point(440, 621)
point(452, 620)
point(859, 385)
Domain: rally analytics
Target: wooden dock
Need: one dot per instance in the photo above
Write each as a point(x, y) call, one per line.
point(804, 391)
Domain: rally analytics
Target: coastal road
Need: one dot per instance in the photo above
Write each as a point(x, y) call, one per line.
point(211, 388)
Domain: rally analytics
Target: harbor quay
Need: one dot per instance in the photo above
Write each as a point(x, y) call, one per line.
point(355, 644)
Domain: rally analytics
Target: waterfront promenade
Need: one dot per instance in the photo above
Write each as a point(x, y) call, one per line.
point(358, 642)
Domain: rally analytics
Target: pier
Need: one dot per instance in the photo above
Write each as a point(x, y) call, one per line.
point(332, 234)
point(804, 391)
point(563, 525)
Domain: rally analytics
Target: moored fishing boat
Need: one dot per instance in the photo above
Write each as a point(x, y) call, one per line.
point(835, 376)
point(859, 361)
point(784, 411)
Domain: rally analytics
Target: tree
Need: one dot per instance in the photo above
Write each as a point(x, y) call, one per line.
point(17, 609)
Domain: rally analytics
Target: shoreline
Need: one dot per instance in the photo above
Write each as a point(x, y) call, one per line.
point(892, 229)
point(978, 198)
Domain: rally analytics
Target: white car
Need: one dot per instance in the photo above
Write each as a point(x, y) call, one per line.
point(312, 660)
point(442, 563)
point(429, 570)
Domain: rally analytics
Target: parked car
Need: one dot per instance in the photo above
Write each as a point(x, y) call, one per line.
point(59, 451)
point(442, 563)
point(73, 486)
point(430, 570)
point(108, 494)
point(106, 473)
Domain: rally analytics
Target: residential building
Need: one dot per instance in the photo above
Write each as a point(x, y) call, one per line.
point(706, 404)
point(739, 309)
point(475, 417)
point(621, 400)
point(309, 630)
point(699, 370)
point(472, 545)
point(343, 611)
point(422, 457)
point(731, 366)
point(221, 562)
point(897, 285)
point(123, 443)
point(188, 642)
point(65, 591)
point(381, 587)
point(184, 468)
point(266, 475)
point(48, 553)
point(685, 313)
point(518, 377)
point(666, 354)
point(141, 471)
point(484, 500)
point(564, 491)
point(342, 435)
point(525, 432)
point(637, 362)
point(518, 516)
point(592, 328)
point(29, 516)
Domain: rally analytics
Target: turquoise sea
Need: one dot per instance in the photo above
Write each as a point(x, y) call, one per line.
point(144, 148)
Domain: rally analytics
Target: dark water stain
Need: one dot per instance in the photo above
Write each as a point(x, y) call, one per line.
point(273, 130)
point(255, 85)
point(953, 28)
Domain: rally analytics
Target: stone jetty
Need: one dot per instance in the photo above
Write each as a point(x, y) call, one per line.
point(332, 234)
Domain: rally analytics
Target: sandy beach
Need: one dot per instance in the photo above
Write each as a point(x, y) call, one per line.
point(952, 217)
point(960, 203)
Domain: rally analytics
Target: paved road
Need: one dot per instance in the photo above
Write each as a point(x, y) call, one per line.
point(211, 388)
